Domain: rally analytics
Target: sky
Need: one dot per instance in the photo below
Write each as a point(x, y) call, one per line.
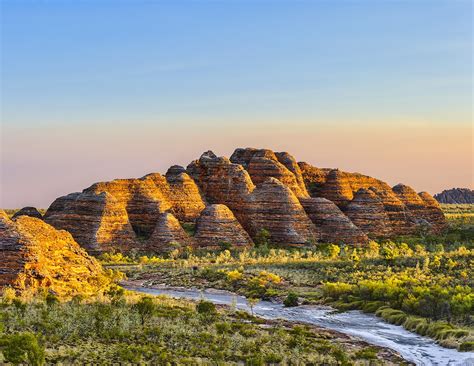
point(93, 90)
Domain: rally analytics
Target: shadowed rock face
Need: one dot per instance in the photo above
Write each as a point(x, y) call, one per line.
point(167, 235)
point(221, 181)
point(28, 211)
point(296, 203)
point(218, 225)
point(36, 255)
point(456, 196)
point(333, 225)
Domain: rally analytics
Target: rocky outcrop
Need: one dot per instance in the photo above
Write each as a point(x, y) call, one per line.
point(400, 220)
point(28, 211)
point(167, 235)
point(98, 222)
point(184, 195)
point(297, 203)
point(456, 196)
point(424, 210)
point(221, 181)
point(262, 164)
point(274, 207)
point(333, 225)
point(218, 226)
point(367, 212)
point(35, 256)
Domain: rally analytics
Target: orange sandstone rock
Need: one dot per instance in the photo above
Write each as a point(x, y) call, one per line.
point(35, 255)
point(218, 225)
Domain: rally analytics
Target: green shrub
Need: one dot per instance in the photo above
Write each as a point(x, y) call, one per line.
point(22, 348)
point(291, 300)
point(369, 353)
point(206, 307)
point(467, 346)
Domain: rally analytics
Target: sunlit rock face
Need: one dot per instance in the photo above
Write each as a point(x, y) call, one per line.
point(218, 227)
point(332, 224)
point(263, 163)
point(35, 256)
point(28, 211)
point(297, 203)
point(97, 221)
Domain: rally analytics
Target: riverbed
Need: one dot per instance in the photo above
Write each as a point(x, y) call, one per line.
point(412, 347)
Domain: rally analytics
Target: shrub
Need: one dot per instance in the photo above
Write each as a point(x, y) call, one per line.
point(291, 300)
point(22, 348)
point(466, 346)
point(206, 307)
point(262, 238)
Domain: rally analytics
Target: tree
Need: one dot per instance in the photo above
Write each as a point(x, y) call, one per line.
point(252, 301)
point(145, 308)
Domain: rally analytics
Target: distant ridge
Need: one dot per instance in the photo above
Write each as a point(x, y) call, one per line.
point(456, 195)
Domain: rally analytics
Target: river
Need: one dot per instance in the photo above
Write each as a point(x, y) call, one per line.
point(413, 347)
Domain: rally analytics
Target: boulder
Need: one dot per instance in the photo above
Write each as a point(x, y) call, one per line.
point(37, 256)
point(217, 226)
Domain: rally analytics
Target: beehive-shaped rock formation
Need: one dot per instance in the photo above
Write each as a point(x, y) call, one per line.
point(367, 212)
point(296, 202)
point(218, 226)
point(167, 235)
point(28, 211)
point(333, 225)
point(263, 164)
point(35, 255)
point(274, 207)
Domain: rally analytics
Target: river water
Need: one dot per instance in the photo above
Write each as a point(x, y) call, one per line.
point(411, 346)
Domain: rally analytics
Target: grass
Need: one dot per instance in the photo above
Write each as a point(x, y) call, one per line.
point(130, 328)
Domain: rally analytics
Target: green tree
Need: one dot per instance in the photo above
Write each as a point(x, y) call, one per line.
point(145, 308)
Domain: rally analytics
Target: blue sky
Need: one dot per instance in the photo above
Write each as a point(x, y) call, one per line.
point(174, 68)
